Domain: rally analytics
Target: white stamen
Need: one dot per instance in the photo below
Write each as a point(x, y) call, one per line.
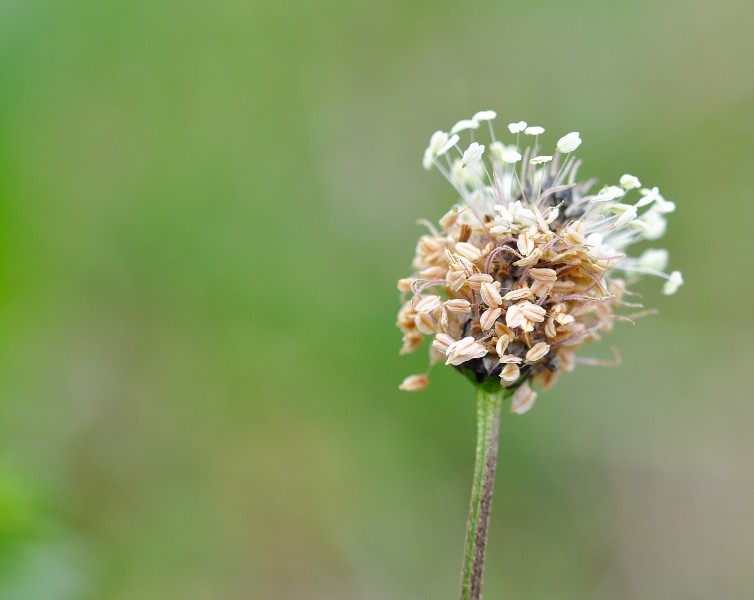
point(569, 142)
point(511, 157)
point(473, 154)
point(673, 283)
point(448, 145)
point(463, 125)
point(629, 182)
point(436, 142)
point(484, 115)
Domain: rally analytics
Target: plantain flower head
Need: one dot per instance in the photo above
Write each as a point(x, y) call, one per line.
point(530, 264)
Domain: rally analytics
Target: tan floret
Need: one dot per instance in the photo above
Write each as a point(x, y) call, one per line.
point(463, 350)
point(488, 318)
point(490, 296)
point(414, 383)
point(510, 373)
point(459, 306)
point(537, 352)
point(523, 399)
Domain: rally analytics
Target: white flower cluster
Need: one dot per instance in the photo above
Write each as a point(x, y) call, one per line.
point(516, 186)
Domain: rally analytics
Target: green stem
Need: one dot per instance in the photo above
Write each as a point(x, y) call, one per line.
point(489, 400)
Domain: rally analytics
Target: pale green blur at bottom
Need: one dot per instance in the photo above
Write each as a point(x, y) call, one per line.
point(203, 211)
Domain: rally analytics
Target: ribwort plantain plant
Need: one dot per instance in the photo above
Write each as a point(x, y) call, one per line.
point(529, 266)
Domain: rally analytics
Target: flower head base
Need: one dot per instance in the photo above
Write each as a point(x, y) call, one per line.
point(530, 265)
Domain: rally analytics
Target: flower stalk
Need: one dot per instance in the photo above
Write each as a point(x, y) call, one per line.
point(489, 400)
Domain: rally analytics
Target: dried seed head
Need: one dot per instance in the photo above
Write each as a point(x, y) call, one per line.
point(513, 317)
point(488, 318)
point(459, 305)
point(509, 358)
point(428, 304)
point(411, 341)
point(463, 350)
point(532, 312)
point(544, 279)
point(558, 249)
point(425, 323)
point(501, 330)
point(477, 279)
point(432, 273)
point(518, 294)
point(468, 251)
point(525, 244)
point(404, 285)
point(537, 352)
point(449, 219)
point(406, 317)
point(414, 383)
point(543, 275)
point(455, 279)
point(532, 259)
point(502, 344)
point(442, 341)
point(490, 296)
point(573, 236)
point(523, 399)
point(510, 372)
point(524, 315)
point(550, 328)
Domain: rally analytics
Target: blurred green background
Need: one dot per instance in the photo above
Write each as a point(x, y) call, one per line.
point(204, 208)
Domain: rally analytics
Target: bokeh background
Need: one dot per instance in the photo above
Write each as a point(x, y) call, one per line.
point(203, 211)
